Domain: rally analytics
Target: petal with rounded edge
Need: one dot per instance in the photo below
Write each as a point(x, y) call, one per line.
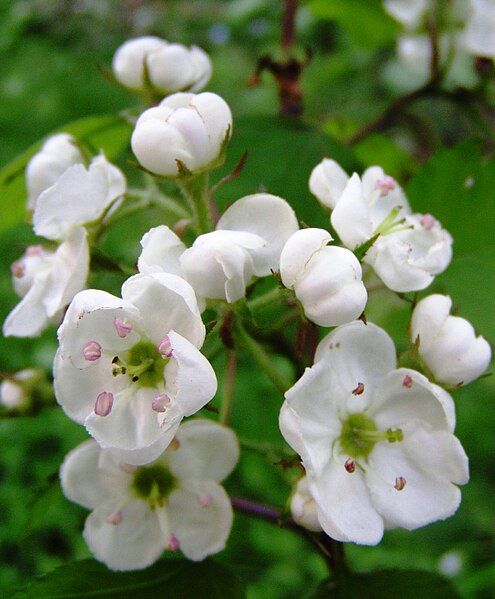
point(327, 182)
point(350, 217)
point(161, 252)
point(297, 252)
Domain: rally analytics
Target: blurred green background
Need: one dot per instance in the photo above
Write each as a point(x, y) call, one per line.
point(49, 52)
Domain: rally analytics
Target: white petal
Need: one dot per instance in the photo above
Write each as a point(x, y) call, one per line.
point(161, 252)
point(90, 481)
point(344, 506)
point(297, 252)
point(206, 451)
point(190, 378)
point(425, 497)
point(303, 507)
point(135, 543)
point(129, 59)
point(145, 455)
point(165, 302)
point(327, 182)
point(350, 217)
point(408, 12)
point(357, 353)
point(395, 403)
point(428, 317)
point(288, 423)
point(216, 114)
point(170, 68)
point(267, 216)
point(314, 400)
point(201, 531)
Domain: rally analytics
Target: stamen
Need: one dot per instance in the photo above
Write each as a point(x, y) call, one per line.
point(385, 185)
point(407, 382)
point(104, 403)
point(115, 518)
point(18, 269)
point(350, 465)
point(428, 221)
point(204, 499)
point(359, 389)
point(400, 483)
point(160, 403)
point(123, 328)
point(129, 468)
point(165, 347)
point(92, 351)
point(34, 250)
point(173, 543)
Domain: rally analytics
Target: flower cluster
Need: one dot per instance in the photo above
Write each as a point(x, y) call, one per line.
point(376, 438)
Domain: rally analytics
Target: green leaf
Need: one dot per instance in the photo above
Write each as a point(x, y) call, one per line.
point(364, 20)
point(109, 133)
point(282, 154)
point(177, 578)
point(387, 584)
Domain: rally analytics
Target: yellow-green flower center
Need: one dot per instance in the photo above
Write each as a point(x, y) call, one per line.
point(360, 434)
point(143, 364)
point(153, 484)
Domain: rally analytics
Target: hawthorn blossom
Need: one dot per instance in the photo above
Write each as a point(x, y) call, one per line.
point(174, 503)
point(409, 250)
point(56, 155)
point(47, 280)
point(326, 279)
point(377, 442)
point(447, 344)
point(130, 369)
point(80, 196)
point(247, 242)
point(149, 61)
point(185, 131)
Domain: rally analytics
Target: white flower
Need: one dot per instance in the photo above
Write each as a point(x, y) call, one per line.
point(12, 390)
point(130, 369)
point(47, 281)
point(325, 279)
point(448, 345)
point(188, 128)
point(248, 241)
point(56, 155)
point(411, 248)
point(410, 13)
point(168, 68)
point(173, 503)
point(327, 182)
point(78, 197)
point(377, 442)
point(478, 37)
point(303, 507)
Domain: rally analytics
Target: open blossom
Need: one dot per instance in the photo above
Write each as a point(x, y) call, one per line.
point(411, 249)
point(377, 442)
point(247, 242)
point(167, 68)
point(47, 281)
point(173, 503)
point(447, 344)
point(56, 155)
point(185, 129)
point(325, 279)
point(130, 369)
point(78, 197)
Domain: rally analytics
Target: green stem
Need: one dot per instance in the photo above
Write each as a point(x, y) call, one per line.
point(195, 189)
point(266, 299)
point(260, 356)
point(228, 388)
point(156, 197)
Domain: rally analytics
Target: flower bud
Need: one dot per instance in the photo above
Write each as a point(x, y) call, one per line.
point(183, 131)
point(57, 154)
point(448, 345)
point(303, 507)
point(25, 391)
point(326, 279)
point(168, 68)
